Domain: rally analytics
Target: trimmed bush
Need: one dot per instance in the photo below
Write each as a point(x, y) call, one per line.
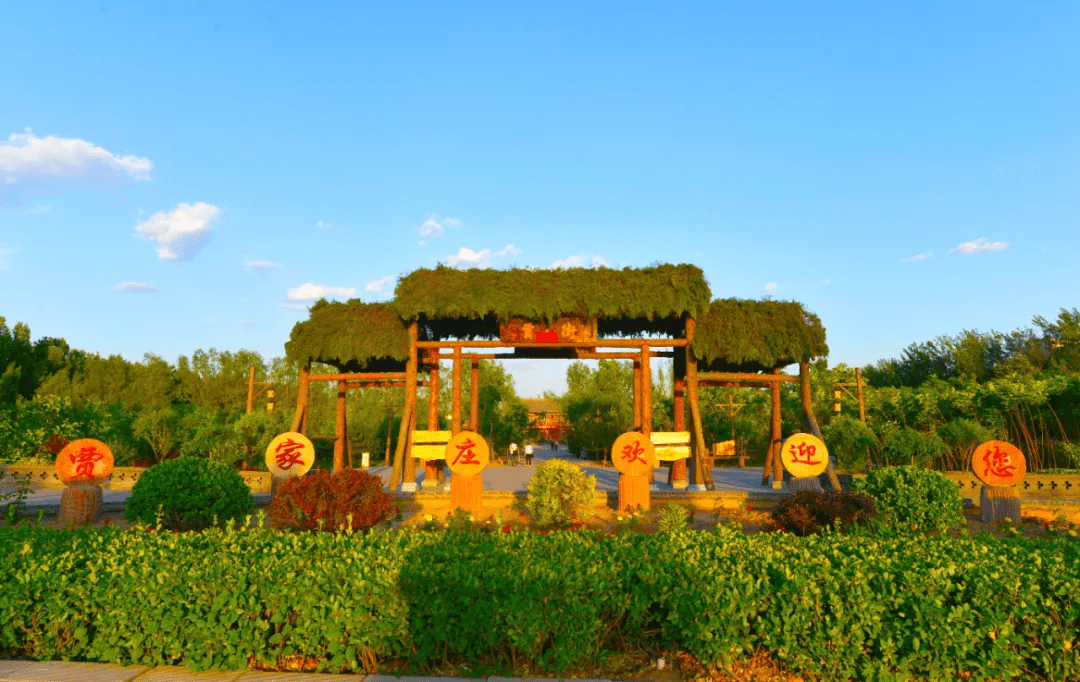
point(350, 498)
point(808, 512)
point(910, 498)
point(559, 492)
point(189, 494)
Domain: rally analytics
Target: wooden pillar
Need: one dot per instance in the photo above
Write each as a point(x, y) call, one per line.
point(474, 395)
point(637, 394)
point(811, 421)
point(646, 401)
point(677, 472)
point(772, 461)
point(300, 416)
point(859, 393)
point(339, 429)
point(404, 471)
point(699, 473)
point(251, 388)
point(433, 391)
point(455, 389)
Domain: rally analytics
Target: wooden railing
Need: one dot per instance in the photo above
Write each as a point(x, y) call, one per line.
point(123, 478)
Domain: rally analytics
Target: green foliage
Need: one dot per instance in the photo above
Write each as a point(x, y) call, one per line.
point(673, 518)
point(962, 436)
point(26, 425)
point(830, 607)
point(742, 335)
point(189, 494)
point(850, 441)
point(351, 336)
point(559, 492)
point(24, 365)
point(349, 499)
point(810, 512)
point(637, 296)
point(598, 404)
point(905, 445)
point(910, 498)
point(256, 429)
point(206, 434)
point(158, 427)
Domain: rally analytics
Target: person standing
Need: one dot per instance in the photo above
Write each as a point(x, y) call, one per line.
point(513, 453)
point(528, 454)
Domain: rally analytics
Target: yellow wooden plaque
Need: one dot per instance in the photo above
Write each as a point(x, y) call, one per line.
point(467, 453)
point(804, 456)
point(996, 462)
point(84, 462)
point(290, 455)
point(633, 454)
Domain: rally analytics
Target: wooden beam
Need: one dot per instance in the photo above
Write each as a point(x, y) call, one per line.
point(599, 343)
point(404, 469)
point(433, 391)
point(699, 473)
point(745, 377)
point(360, 376)
point(637, 392)
point(646, 392)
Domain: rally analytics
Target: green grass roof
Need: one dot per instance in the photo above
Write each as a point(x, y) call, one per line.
point(352, 336)
point(647, 294)
point(740, 335)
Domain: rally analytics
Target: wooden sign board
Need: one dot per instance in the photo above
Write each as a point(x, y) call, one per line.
point(290, 455)
point(84, 462)
point(725, 448)
point(467, 454)
point(561, 330)
point(996, 462)
point(804, 456)
point(633, 454)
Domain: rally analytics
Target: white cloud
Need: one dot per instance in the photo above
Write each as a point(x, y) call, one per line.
point(508, 250)
point(43, 162)
point(260, 265)
point(579, 262)
point(771, 287)
point(918, 257)
point(467, 258)
point(293, 306)
point(313, 292)
point(5, 253)
point(245, 323)
point(181, 231)
point(421, 242)
point(978, 246)
point(134, 288)
point(433, 227)
point(379, 285)
point(321, 224)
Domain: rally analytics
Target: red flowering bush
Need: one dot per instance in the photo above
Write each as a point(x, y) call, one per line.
point(349, 498)
point(807, 512)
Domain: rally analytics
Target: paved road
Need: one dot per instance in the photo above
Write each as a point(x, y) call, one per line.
point(726, 479)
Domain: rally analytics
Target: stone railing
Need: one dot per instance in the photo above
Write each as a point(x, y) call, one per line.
point(1034, 486)
point(123, 478)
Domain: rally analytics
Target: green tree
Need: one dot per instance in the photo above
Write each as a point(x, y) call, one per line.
point(158, 427)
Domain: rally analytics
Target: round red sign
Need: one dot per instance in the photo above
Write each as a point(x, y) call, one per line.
point(633, 454)
point(84, 461)
point(996, 462)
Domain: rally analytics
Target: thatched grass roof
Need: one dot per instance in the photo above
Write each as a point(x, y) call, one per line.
point(353, 336)
point(463, 303)
point(739, 335)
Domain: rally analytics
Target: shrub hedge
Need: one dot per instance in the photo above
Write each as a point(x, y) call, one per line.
point(834, 606)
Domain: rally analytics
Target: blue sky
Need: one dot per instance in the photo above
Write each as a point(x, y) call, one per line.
point(189, 176)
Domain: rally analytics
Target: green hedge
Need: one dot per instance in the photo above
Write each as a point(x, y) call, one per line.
point(833, 606)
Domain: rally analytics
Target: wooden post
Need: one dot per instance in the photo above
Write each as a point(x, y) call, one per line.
point(859, 393)
point(698, 473)
point(403, 461)
point(637, 393)
point(339, 429)
point(646, 402)
point(433, 468)
point(811, 421)
point(474, 395)
point(455, 390)
point(300, 416)
point(677, 472)
point(773, 460)
point(251, 388)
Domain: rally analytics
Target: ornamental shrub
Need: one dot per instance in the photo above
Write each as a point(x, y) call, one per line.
point(189, 494)
point(808, 512)
point(349, 498)
point(673, 518)
point(559, 492)
point(910, 498)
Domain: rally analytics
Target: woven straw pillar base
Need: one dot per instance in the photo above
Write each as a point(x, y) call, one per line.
point(79, 504)
point(808, 483)
point(633, 492)
point(997, 502)
point(467, 493)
